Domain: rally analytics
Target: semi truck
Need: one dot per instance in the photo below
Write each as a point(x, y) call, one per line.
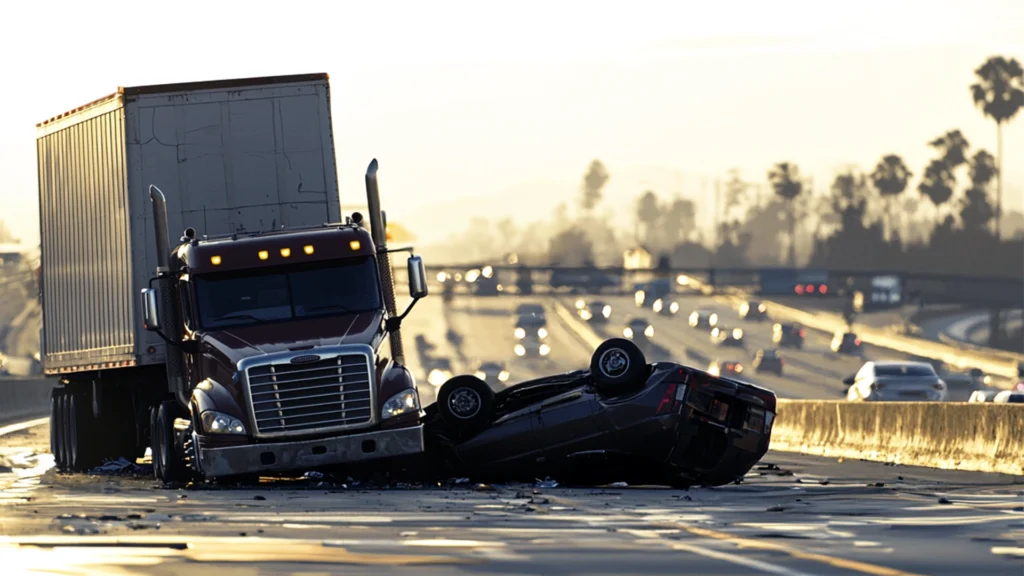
point(265, 338)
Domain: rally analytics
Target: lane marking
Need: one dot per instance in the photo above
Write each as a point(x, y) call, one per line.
point(741, 542)
point(12, 428)
point(715, 555)
point(584, 333)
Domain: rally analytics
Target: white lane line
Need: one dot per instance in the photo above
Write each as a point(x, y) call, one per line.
point(585, 333)
point(12, 428)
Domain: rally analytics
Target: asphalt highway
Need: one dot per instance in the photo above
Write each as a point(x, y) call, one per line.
point(792, 515)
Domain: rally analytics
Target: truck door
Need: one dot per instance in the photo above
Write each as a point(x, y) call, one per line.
point(186, 309)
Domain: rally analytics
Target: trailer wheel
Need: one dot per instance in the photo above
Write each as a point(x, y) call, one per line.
point(65, 430)
point(168, 463)
point(465, 403)
point(56, 428)
point(617, 366)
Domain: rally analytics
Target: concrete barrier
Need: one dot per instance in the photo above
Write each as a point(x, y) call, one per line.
point(980, 437)
point(24, 398)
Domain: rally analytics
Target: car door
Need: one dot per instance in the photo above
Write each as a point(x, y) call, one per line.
point(567, 423)
point(510, 443)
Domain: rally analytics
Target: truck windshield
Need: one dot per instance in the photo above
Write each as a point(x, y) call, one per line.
point(316, 289)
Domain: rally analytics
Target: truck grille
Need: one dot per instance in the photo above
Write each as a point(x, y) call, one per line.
point(332, 393)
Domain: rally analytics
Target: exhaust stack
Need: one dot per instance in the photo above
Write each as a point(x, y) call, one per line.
point(168, 309)
point(378, 233)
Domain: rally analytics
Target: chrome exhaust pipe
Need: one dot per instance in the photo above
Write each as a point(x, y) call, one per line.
point(175, 364)
point(378, 232)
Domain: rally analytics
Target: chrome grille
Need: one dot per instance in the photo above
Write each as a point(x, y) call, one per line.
point(331, 393)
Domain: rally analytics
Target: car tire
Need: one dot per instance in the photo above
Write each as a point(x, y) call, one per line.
point(618, 365)
point(466, 403)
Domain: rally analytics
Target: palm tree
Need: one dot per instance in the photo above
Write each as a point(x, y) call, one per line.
point(952, 147)
point(890, 179)
point(937, 183)
point(999, 93)
point(786, 183)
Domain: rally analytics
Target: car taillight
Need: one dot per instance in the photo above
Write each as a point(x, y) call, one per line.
point(856, 341)
point(674, 394)
point(803, 333)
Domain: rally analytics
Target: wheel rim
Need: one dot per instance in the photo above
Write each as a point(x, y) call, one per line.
point(464, 403)
point(614, 363)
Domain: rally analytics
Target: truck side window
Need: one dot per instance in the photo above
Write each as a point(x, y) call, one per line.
point(185, 297)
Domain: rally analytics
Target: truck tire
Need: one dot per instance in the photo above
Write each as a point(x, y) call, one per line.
point(56, 428)
point(168, 463)
point(618, 366)
point(465, 403)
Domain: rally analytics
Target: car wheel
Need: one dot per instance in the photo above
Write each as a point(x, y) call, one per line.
point(465, 403)
point(618, 365)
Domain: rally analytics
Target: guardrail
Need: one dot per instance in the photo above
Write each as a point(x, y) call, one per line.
point(960, 436)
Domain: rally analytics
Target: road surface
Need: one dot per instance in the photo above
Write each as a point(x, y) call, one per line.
point(792, 515)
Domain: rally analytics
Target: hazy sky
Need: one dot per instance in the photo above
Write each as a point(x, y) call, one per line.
point(477, 108)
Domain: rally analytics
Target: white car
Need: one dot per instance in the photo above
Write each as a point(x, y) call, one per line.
point(896, 381)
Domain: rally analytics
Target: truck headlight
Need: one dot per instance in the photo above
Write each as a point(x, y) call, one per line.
point(220, 423)
point(542, 333)
point(401, 403)
point(520, 333)
point(544, 349)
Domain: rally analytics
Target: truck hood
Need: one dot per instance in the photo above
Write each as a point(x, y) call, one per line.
point(234, 344)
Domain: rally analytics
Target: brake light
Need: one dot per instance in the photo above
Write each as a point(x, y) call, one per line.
point(810, 288)
point(803, 333)
point(856, 341)
point(798, 289)
point(668, 399)
point(823, 289)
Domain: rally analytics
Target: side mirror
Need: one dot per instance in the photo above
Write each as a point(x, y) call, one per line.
point(417, 278)
point(848, 380)
point(151, 309)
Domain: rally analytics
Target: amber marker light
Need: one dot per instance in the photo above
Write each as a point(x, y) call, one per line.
point(264, 254)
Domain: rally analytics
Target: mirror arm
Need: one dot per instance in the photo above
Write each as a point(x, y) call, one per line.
point(395, 322)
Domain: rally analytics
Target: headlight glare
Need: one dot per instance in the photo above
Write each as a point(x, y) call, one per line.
point(401, 403)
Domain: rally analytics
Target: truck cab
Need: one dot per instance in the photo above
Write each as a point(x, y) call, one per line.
point(285, 344)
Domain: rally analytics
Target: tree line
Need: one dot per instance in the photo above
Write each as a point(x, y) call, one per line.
point(946, 220)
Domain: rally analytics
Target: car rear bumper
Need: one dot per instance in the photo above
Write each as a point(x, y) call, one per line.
point(310, 454)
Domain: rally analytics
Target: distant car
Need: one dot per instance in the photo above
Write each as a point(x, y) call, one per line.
point(531, 347)
point(982, 396)
point(647, 293)
point(753, 311)
point(638, 329)
point(492, 373)
point(725, 336)
point(596, 312)
point(846, 343)
point(768, 361)
point(665, 307)
point(703, 319)
point(725, 368)
point(896, 381)
point(531, 322)
point(1009, 397)
point(789, 335)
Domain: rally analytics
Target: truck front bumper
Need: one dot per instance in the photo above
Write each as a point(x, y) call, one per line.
point(309, 454)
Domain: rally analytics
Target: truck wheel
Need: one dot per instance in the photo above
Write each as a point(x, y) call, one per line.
point(168, 463)
point(56, 428)
point(617, 366)
point(465, 403)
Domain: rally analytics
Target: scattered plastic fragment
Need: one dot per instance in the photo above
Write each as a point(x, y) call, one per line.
point(546, 483)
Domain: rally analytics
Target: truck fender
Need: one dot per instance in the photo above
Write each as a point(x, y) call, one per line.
point(211, 395)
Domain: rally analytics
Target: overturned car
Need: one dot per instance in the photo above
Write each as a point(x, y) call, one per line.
point(621, 420)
